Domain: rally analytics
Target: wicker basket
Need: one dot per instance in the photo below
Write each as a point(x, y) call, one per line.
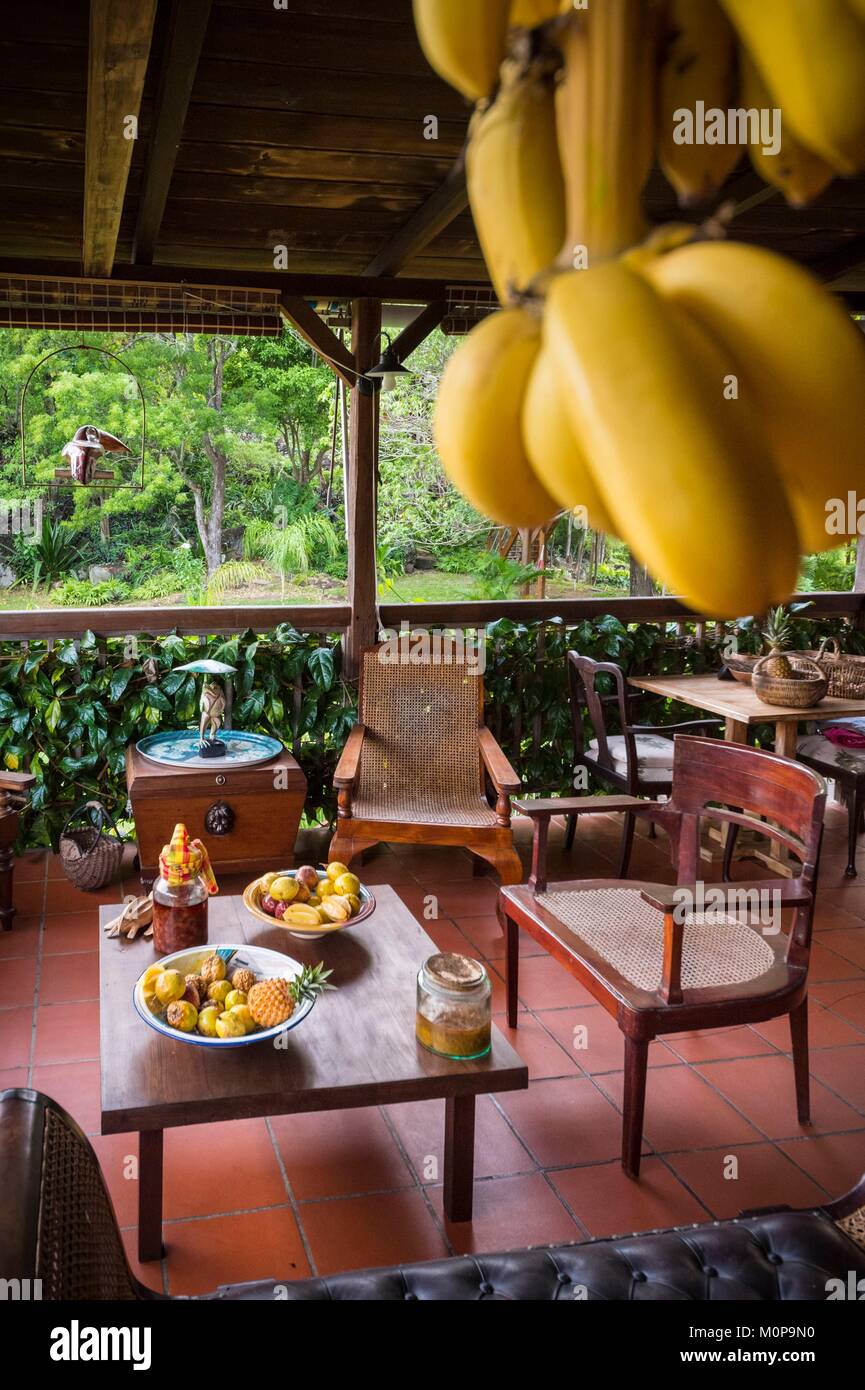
point(90, 857)
point(806, 688)
point(846, 674)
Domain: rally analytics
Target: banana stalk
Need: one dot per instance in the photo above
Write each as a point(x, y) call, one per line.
point(604, 113)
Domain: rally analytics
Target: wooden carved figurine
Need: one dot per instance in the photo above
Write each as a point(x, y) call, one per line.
point(212, 706)
point(85, 449)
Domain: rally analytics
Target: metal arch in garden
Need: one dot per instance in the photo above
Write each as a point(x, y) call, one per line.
point(102, 477)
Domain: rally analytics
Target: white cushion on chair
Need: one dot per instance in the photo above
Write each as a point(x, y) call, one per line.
point(654, 755)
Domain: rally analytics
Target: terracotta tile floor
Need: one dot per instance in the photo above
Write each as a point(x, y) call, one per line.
point(326, 1192)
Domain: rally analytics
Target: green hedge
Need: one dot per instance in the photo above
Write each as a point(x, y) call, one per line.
point(68, 710)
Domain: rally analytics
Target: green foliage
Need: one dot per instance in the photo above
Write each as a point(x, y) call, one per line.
point(67, 714)
point(500, 577)
point(54, 553)
point(831, 570)
point(290, 544)
point(80, 593)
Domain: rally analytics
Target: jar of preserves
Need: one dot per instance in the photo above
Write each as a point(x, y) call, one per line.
point(454, 1007)
point(180, 894)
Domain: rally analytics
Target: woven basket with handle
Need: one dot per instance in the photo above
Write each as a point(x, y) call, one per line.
point(807, 686)
point(89, 855)
point(846, 673)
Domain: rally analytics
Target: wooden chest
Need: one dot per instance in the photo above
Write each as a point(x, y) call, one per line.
point(248, 818)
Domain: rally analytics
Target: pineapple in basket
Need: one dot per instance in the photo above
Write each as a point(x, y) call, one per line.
point(778, 634)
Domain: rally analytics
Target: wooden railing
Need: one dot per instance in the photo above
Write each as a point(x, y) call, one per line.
point(116, 622)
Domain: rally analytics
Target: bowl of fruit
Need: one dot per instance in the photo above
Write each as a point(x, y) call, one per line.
point(309, 902)
point(229, 997)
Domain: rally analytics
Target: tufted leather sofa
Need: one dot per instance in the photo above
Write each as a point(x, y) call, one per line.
point(57, 1224)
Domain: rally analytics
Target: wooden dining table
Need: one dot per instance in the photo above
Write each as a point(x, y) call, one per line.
point(740, 709)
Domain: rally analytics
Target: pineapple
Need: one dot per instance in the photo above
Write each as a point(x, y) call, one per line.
point(778, 634)
point(272, 1002)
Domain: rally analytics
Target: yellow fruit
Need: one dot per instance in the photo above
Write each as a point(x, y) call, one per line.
point(301, 915)
point(605, 120)
point(267, 879)
point(553, 449)
point(325, 887)
point(234, 996)
point(322, 915)
point(148, 988)
point(336, 909)
point(347, 883)
point(797, 171)
point(284, 889)
point(207, 1021)
point(219, 991)
point(802, 365)
point(645, 400)
point(241, 1011)
point(477, 420)
point(354, 902)
point(335, 871)
point(181, 1015)
point(811, 55)
point(168, 986)
point(699, 64)
point(314, 900)
point(271, 1002)
point(527, 14)
point(464, 42)
point(228, 1025)
point(514, 179)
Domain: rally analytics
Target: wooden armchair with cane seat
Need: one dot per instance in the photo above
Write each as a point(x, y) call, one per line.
point(415, 766)
point(638, 760)
point(14, 788)
point(648, 952)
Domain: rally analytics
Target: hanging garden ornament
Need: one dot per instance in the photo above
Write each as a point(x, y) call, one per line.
point(85, 453)
point(85, 449)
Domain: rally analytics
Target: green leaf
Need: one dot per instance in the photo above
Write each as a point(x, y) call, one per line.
point(119, 681)
point(53, 714)
point(155, 700)
point(320, 666)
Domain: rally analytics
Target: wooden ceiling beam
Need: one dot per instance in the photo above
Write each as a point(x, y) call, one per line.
point(120, 36)
point(441, 207)
point(187, 27)
point(420, 328)
point(302, 317)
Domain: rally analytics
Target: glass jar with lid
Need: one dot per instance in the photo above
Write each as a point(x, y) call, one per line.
point(186, 881)
point(454, 1007)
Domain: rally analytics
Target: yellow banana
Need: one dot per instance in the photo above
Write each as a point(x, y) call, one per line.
point(515, 180)
point(699, 64)
point(798, 172)
point(858, 7)
point(689, 489)
point(602, 115)
point(553, 450)
point(811, 54)
point(464, 41)
point(477, 420)
point(802, 363)
point(527, 14)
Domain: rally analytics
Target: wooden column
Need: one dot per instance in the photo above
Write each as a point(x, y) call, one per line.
point(362, 449)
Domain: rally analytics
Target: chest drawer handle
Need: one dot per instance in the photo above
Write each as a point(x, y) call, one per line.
point(219, 819)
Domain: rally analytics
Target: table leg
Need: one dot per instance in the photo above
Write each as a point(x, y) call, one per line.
point(150, 1195)
point(786, 737)
point(459, 1157)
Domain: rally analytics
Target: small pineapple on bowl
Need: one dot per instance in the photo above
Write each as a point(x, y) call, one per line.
point(794, 681)
point(778, 636)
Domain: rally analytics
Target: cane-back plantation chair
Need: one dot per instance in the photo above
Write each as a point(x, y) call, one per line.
point(415, 765)
point(648, 953)
point(638, 760)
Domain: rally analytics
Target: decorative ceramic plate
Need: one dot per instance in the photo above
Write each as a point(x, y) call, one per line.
point(267, 965)
point(252, 902)
point(179, 748)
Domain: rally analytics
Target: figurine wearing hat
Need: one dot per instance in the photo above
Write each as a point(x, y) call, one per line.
point(86, 448)
point(212, 705)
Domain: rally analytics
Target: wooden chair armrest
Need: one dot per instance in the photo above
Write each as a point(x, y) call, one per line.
point(502, 775)
point(349, 760)
point(539, 807)
point(667, 897)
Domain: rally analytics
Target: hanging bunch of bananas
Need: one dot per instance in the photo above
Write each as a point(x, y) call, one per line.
point(702, 400)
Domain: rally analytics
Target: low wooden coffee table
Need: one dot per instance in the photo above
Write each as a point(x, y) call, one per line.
point(356, 1048)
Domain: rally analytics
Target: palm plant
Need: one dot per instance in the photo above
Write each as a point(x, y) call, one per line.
point(289, 548)
point(55, 552)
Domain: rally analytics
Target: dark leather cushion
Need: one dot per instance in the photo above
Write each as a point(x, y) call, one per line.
point(780, 1256)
